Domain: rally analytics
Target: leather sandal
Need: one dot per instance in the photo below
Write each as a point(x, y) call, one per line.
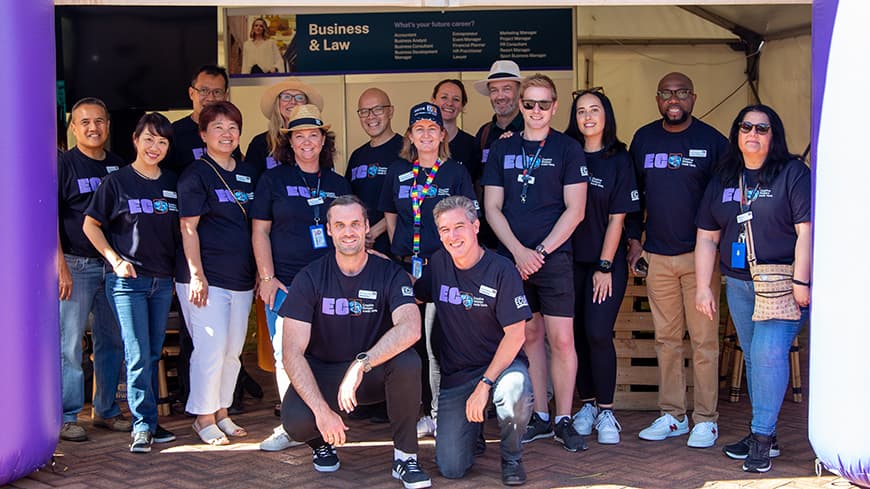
point(211, 435)
point(231, 429)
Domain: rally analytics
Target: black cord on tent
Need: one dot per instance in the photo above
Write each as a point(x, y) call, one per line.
point(724, 99)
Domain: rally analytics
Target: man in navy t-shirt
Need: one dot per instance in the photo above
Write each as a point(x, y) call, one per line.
point(478, 343)
point(535, 197)
point(673, 160)
point(348, 334)
point(368, 164)
point(81, 276)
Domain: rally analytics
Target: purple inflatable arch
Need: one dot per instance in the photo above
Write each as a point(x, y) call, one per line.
point(30, 345)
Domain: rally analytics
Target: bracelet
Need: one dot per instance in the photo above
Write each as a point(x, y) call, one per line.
point(798, 282)
point(487, 381)
point(266, 279)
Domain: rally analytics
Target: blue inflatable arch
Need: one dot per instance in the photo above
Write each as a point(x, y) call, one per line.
point(839, 430)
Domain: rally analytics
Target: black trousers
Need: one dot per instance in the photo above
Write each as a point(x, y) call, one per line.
point(397, 382)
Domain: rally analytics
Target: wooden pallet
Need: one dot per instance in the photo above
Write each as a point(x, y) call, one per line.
point(637, 375)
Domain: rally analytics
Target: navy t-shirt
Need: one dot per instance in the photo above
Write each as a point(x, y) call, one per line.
point(612, 190)
point(493, 134)
point(464, 152)
point(140, 219)
point(779, 206)
point(672, 170)
point(187, 146)
point(348, 315)
point(452, 179)
point(282, 197)
point(474, 306)
point(224, 231)
point(78, 177)
point(562, 163)
point(367, 173)
point(258, 154)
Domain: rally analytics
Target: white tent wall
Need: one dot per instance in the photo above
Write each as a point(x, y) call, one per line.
point(784, 84)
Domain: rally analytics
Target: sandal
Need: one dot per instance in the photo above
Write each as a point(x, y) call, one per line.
point(231, 429)
point(211, 435)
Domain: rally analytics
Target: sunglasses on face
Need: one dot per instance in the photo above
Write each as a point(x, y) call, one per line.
point(376, 110)
point(682, 93)
point(543, 104)
point(594, 90)
point(300, 98)
point(761, 128)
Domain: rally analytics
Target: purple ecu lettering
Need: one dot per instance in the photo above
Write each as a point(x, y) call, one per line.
point(140, 206)
point(87, 185)
point(655, 160)
point(450, 295)
point(335, 307)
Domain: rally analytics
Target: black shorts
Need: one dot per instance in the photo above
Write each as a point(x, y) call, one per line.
point(550, 290)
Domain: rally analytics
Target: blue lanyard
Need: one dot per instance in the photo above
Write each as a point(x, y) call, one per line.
point(315, 193)
point(530, 166)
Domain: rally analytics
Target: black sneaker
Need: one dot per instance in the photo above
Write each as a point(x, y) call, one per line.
point(410, 473)
point(568, 436)
point(162, 435)
point(513, 473)
point(141, 442)
point(537, 429)
point(758, 459)
point(740, 450)
point(325, 458)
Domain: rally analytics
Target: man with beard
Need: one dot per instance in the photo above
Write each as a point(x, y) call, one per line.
point(673, 159)
point(348, 334)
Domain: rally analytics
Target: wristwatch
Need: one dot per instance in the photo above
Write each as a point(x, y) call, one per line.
point(605, 266)
point(541, 251)
point(363, 358)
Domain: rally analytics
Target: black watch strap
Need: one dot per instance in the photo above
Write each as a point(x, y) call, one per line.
point(605, 266)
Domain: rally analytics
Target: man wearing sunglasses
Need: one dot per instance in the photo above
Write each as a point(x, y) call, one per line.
point(208, 85)
point(673, 158)
point(367, 167)
point(535, 184)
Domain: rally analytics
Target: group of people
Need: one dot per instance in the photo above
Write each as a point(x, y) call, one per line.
point(393, 280)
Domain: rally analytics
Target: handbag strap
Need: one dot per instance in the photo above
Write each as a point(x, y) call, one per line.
point(216, 172)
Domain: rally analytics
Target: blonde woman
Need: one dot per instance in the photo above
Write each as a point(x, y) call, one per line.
point(259, 53)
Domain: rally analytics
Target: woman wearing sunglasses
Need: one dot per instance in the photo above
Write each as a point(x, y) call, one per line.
point(762, 191)
point(600, 267)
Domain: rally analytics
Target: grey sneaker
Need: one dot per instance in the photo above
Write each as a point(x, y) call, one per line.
point(608, 427)
point(141, 442)
point(71, 431)
point(278, 440)
point(584, 420)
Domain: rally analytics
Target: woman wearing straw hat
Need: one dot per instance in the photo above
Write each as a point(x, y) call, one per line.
point(276, 103)
point(289, 217)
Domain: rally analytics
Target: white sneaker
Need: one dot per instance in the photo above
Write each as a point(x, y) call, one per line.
point(665, 426)
point(704, 435)
point(278, 440)
point(426, 427)
point(585, 419)
point(608, 428)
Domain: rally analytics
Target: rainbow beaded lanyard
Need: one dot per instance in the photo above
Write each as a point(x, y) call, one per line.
point(417, 200)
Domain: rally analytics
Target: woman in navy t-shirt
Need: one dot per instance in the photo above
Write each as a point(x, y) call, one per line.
point(289, 223)
point(216, 279)
point(450, 96)
point(762, 185)
point(600, 268)
point(132, 221)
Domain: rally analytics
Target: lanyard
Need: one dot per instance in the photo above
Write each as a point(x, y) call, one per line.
point(314, 192)
point(417, 198)
point(746, 200)
point(531, 165)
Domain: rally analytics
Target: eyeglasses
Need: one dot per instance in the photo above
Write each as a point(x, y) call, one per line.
point(580, 93)
point(543, 104)
point(681, 93)
point(300, 98)
point(205, 92)
point(376, 110)
point(761, 128)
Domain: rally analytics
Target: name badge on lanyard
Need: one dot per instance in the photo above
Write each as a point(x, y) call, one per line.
point(315, 201)
point(743, 217)
point(416, 266)
point(318, 236)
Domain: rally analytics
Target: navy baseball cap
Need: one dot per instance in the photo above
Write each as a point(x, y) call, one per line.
point(425, 111)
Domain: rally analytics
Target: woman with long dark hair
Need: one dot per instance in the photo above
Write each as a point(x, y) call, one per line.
point(289, 217)
point(760, 198)
point(600, 267)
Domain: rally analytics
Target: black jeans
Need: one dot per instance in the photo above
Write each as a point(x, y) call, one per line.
point(397, 381)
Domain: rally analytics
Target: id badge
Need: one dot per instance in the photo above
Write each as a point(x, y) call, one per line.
point(315, 201)
point(738, 255)
point(318, 236)
point(746, 216)
point(526, 179)
point(416, 266)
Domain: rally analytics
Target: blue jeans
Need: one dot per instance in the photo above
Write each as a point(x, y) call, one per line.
point(766, 346)
point(88, 275)
point(141, 306)
point(456, 436)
